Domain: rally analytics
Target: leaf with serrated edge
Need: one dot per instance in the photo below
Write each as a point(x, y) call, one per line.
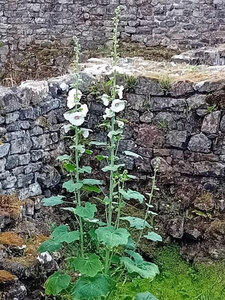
point(85, 169)
point(89, 266)
point(112, 237)
point(153, 236)
point(112, 168)
point(52, 201)
point(49, 246)
point(64, 157)
point(56, 283)
point(71, 186)
point(130, 194)
point(88, 211)
point(91, 288)
point(137, 223)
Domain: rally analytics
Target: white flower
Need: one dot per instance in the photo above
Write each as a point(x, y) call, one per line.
point(67, 128)
point(105, 98)
point(118, 105)
point(63, 86)
point(85, 132)
point(83, 109)
point(75, 118)
point(119, 90)
point(73, 97)
point(120, 124)
point(108, 113)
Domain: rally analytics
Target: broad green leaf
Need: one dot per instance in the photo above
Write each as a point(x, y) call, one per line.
point(49, 246)
point(56, 283)
point(71, 209)
point(61, 234)
point(52, 201)
point(130, 194)
point(131, 176)
point(144, 269)
point(89, 266)
point(112, 168)
point(69, 167)
point(153, 236)
point(64, 157)
point(95, 143)
point(130, 153)
point(85, 169)
point(101, 157)
point(136, 256)
point(114, 133)
point(92, 181)
point(92, 288)
point(131, 244)
point(145, 296)
point(71, 186)
point(88, 211)
point(137, 223)
point(112, 237)
point(91, 188)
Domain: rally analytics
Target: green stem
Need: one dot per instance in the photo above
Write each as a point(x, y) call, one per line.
point(149, 202)
point(78, 192)
point(107, 260)
point(117, 224)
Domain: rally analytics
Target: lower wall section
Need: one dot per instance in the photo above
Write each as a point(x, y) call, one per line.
point(183, 126)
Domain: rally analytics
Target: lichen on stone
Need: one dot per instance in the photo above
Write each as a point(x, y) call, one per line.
point(11, 239)
point(6, 276)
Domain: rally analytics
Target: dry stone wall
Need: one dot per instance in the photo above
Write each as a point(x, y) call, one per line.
point(27, 27)
point(183, 126)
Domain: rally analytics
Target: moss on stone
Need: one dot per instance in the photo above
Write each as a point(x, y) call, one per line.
point(11, 239)
point(10, 206)
point(6, 276)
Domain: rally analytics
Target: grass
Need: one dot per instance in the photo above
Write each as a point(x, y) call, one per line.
point(179, 280)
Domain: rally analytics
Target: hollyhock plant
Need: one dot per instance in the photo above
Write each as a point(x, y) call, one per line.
point(105, 99)
point(118, 105)
point(74, 97)
point(75, 118)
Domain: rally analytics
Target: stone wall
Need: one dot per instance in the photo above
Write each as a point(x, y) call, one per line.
point(183, 125)
point(34, 34)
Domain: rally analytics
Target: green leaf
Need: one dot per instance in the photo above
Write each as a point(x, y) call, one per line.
point(131, 244)
point(130, 194)
point(56, 283)
point(137, 223)
point(89, 152)
point(95, 143)
point(88, 211)
point(64, 157)
point(85, 169)
point(101, 157)
point(112, 168)
point(89, 266)
point(49, 246)
point(153, 236)
point(92, 288)
point(145, 296)
point(52, 201)
point(71, 186)
point(136, 256)
point(112, 237)
point(130, 153)
point(61, 234)
point(144, 269)
point(91, 188)
point(69, 167)
point(92, 181)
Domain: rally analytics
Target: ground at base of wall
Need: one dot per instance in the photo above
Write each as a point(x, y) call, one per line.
point(179, 280)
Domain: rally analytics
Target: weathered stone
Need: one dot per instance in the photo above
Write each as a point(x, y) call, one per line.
point(24, 159)
point(176, 228)
point(36, 155)
point(149, 86)
point(29, 113)
point(177, 139)
point(181, 88)
point(40, 142)
point(199, 143)
point(24, 180)
point(196, 101)
point(136, 102)
point(161, 164)
point(167, 104)
point(31, 191)
point(146, 117)
point(4, 149)
point(2, 165)
point(149, 136)
point(211, 122)
point(222, 124)
point(48, 177)
point(22, 145)
point(33, 167)
point(12, 162)
point(9, 100)
point(49, 105)
point(37, 90)
point(12, 117)
point(205, 202)
point(9, 182)
point(208, 168)
point(209, 86)
point(165, 120)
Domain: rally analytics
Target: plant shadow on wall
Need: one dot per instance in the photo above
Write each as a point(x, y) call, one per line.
point(101, 253)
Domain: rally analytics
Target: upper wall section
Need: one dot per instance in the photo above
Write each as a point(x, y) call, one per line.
point(27, 27)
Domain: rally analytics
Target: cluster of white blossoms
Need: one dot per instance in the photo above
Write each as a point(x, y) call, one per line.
point(76, 116)
point(117, 105)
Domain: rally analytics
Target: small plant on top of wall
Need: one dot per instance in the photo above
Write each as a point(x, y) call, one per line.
point(103, 252)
